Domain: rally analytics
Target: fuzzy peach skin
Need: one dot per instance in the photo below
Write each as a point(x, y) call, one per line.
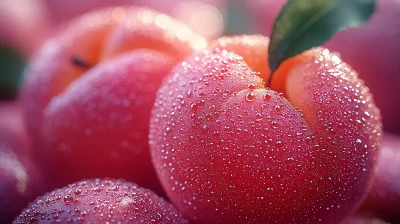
point(227, 149)
point(88, 93)
point(372, 50)
point(24, 25)
point(384, 197)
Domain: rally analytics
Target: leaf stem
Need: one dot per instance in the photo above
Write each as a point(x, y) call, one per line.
point(78, 61)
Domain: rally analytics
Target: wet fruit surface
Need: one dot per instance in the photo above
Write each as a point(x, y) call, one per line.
point(127, 92)
point(227, 149)
point(100, 201)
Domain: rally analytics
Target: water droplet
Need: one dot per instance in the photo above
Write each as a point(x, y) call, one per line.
point(201, 104)
point(251, 86)
point(278, 109)
point(225, 93)
point(274, 124)
point(259, 117)
point(267, 96)
point(250, 97)
point(68, 199)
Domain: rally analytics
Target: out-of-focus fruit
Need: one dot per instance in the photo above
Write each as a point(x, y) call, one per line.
point(363, 220)
point(229, 150)
point(12, 127)
point(88, 94)
point(100, 201)
point(384, 197)
point(202, 16)
point(103, 118)
point(373, 51)
point(20, 180)
point(24, 25)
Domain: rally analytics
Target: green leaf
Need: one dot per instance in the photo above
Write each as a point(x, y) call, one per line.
point(303, 24)
point(12, 65)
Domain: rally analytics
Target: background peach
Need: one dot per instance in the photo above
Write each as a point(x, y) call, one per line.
point(12, 127)
point(202, 16)
point(384, 197)
point(88, 93)
point(20, 179)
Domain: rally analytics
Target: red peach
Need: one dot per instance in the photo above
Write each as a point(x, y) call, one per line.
point(100, 201)
point(99, 124)
point(384, 196)
point(20, 180)
point(227, 149)
point(89, 92)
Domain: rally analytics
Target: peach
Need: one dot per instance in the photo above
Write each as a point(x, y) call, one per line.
point(384, 196)
point(20, 179)
point(20, 182)
point(89, 92)
point(100, 201)
point(227, 149)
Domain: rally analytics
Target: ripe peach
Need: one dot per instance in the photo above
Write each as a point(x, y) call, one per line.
point(100, 201)
point(20, 180)
point(89, 92)
point(229, 150)
point(384, 196)
point(372, 51)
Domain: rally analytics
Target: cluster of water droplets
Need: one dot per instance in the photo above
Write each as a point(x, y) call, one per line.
point(100, 201)
point(227, 148)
